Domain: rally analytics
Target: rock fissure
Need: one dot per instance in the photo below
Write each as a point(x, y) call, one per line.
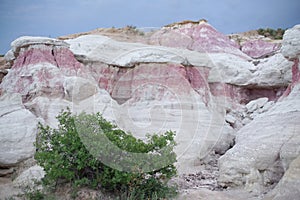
point(53, 54)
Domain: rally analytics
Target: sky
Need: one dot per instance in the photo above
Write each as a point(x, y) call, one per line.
point(53, 18)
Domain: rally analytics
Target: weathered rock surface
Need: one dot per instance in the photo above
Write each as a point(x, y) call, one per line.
point(97, 48)
point(127, 86)
point(29, 177)
point(126, 89)
point(266, 146)
point(220, 67)
point(49, 82)
point(48, 108)
point(17, 131)
point(206, 194)
point(201, 37)
point(40, 69)
point(291, 43)
point(275, 71)
point(288, 186)
point(255, 160)
point(259, 48)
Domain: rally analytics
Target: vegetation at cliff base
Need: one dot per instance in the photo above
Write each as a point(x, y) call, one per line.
point(66, 159)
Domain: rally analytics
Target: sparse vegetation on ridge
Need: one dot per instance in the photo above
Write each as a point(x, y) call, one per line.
point(271, 33)
point(134, 30)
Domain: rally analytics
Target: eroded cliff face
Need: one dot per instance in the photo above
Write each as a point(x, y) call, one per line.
point(187, 77)
point(148, 88)
point(201, 37)
point(266, 146)
point(3, 68)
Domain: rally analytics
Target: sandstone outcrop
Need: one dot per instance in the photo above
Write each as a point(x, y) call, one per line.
point(291, 43)
point(17, 131)
point(288, 186)
point(29, 177)
point(49, 78)
point(259, 48)
point(266, 146)
point(201, 37)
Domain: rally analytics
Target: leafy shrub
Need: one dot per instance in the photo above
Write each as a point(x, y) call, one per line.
point(66, 159)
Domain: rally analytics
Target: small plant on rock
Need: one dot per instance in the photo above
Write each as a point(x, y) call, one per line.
point(69, 155)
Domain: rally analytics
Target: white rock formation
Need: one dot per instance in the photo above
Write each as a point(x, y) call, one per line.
point(96, 48)
point(256, 156)
point(291, 42)
point(272, 72)
point(18, 129)
point(288, 186)
point(255, 104)
point(30, 177)
point(266, 146)
point(29, 40)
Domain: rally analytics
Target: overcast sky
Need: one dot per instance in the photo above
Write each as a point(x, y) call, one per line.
point(60, 17)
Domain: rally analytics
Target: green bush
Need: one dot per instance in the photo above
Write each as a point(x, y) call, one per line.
point(271, 33)
point(35, 195)
point(68, 154)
